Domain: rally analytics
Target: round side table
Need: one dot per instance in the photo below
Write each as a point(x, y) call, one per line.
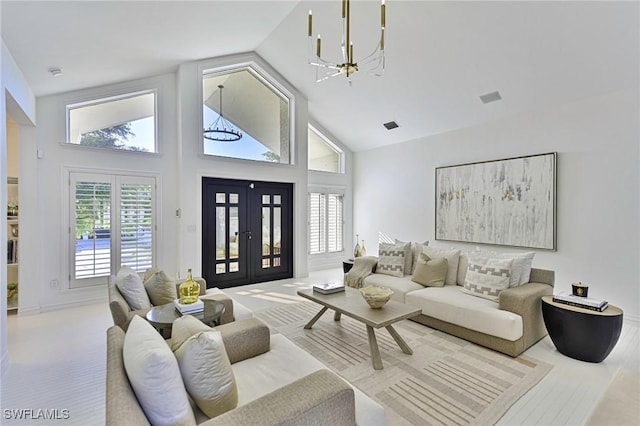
point(347, 265)
point(582, 333)
point(163, 316)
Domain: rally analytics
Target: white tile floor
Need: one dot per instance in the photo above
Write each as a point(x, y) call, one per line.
point(57, 362)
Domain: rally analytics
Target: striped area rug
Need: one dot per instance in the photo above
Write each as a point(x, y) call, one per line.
point(447, 380)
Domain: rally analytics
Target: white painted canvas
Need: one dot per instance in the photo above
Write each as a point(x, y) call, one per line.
point(505, 202)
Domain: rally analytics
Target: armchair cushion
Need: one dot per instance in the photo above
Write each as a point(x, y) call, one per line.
point(132, 289)
point(160, 287)
point(155, 376)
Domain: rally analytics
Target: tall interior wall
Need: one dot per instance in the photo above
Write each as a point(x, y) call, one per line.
point(598, 210)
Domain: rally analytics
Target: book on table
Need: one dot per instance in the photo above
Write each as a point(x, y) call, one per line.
point(328, 288)
point(189, 309)
point(581, 302)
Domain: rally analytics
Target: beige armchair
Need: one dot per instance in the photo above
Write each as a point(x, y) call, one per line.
point(317, 397)
point(122, 313)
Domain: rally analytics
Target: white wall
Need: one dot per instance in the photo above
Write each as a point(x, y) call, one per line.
point(44, 226)
point(16, 99)
point(598, 206)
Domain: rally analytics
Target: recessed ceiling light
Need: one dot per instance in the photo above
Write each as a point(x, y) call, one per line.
point(490, 97)
point(55, 71)
point(391, 125)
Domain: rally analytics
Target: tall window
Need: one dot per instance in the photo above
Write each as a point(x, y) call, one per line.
point(325, 222)
point(252, 106)
point(112, 223)
point(324, 155)
point(124, 122)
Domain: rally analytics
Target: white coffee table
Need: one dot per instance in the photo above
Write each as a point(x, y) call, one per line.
point(353, 305)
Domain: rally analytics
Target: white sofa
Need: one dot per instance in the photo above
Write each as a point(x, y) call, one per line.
point(510, 325)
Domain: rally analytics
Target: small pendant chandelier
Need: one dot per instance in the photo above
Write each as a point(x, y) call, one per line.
point(222, 130)
point(326, 69)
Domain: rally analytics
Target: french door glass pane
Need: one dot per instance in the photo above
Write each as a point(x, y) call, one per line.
point(266, 231)
point(277, 230)
point(221, 248)
point(233, 233)
point(221, 197)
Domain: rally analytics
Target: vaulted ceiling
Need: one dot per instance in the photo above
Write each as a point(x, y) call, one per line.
point(440, 56)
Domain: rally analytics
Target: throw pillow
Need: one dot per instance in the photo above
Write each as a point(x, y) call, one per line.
point(520, 268)
point(452, 256)
point(130, 285)
point(430, 272)
point(391, 258)
point(408, 258)
point(185, 327)
point(207, 374)
point(416, 250)
point(161, 288)
point(154, 375)
point(487, 278)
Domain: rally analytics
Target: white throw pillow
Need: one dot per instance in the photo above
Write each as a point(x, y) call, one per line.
point(452, 256)
point(391, 258)
point(160, 287)
point(486, 278)
point(154, 375)
point(207, 374)
point(130, 285)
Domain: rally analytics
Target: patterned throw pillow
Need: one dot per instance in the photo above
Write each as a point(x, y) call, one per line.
point(487, 277)
point(391, 258)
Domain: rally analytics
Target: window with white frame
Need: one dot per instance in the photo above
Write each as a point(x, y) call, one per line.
point(112, 223)
point(246, 100)
point(124, 122)
point(324, 155)
point(325, 222)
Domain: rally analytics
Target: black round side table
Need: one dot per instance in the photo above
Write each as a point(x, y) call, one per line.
point(347, 265)
point(582, 333)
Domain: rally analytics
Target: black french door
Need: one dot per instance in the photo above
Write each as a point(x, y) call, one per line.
point(247, 231)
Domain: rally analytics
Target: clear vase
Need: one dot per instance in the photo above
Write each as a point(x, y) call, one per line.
point(357, 248)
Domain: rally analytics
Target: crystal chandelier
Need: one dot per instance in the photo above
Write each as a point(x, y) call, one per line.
point(222, 130)
point(349, 66)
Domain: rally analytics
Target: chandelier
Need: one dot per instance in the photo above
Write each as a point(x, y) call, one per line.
point(222, 130)
point(349, 66)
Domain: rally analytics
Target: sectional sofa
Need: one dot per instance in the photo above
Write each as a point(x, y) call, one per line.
point(510, 323)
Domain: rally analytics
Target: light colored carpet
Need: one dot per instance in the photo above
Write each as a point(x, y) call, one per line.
point(446, 381)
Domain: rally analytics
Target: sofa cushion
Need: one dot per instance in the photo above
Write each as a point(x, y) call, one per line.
point(487, 277)
point(206, 373)
point(132, 289)
point(449, 304)
point(399, 285)
point(391, 258)
point(285, 363)
point(160, 287)
point(430, 272)
point(452, 256)
point(155, 376)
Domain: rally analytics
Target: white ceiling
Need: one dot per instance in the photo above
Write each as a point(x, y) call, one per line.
point(441, 56)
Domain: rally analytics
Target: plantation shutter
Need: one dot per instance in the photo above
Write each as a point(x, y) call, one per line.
point(317, 225)
point(92, 228)
point(112, 223)
point(136, 225)
point(334, 222)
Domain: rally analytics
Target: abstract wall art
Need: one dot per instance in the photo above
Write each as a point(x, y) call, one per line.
point(509, 202)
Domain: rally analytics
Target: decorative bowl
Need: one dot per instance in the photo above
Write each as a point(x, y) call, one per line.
point(376, 296)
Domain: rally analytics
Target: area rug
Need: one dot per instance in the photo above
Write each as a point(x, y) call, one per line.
point(446, 381)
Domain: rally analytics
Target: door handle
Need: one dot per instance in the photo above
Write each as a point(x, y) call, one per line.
point(248, 233)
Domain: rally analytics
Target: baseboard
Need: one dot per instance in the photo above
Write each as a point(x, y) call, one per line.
point(66, 305)
point(29, 310)
point(4, 363)
point(631, 320)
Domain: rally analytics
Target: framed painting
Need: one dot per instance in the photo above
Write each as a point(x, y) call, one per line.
point(509, 202)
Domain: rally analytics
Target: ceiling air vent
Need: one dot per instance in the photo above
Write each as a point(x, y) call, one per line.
point(490, 97)
point(391, 125)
